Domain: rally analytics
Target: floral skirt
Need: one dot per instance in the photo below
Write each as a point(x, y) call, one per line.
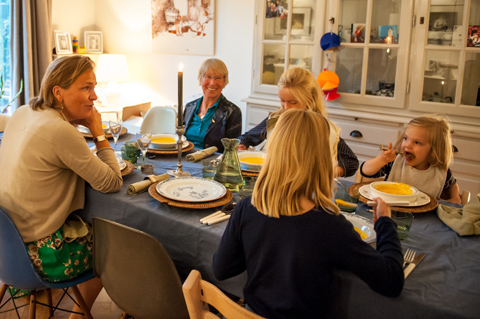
point(57, 259)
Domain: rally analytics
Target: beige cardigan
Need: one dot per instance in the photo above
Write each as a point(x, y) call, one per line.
point(44, 163)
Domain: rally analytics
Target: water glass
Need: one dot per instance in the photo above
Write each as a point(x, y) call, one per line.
point(130, 151)
point(115, 128)
point(209, 168)
point(404, 222)
point(143, 141)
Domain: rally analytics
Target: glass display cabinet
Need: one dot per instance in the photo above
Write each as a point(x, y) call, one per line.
point(446, 58)
point(290, 32)
point(372, 60)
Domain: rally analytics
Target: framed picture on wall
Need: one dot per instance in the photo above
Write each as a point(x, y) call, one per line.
point(63, 43)
point(300, 22)
point(94, 41)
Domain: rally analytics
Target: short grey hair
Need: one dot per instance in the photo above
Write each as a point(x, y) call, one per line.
point(217, 66)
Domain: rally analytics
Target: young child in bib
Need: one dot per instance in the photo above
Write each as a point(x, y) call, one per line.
point(421, 158)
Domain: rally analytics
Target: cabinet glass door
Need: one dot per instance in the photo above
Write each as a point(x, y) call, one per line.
point(447, 58)
point(372, 59)
point(288, 30)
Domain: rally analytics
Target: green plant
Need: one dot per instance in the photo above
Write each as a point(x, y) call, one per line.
point(3, 108)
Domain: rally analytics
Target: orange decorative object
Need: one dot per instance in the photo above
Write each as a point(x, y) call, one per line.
point(329, 81)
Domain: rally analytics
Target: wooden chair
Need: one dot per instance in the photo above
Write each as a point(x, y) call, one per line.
point(197, 292)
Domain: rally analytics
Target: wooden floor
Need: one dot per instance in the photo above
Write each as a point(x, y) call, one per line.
point(103, 308)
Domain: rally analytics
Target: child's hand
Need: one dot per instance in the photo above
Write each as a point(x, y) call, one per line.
point(389, 155)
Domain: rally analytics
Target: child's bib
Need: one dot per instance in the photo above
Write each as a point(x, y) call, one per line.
point(430, 181)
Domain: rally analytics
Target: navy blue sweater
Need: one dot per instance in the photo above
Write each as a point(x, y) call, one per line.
point(290, 260)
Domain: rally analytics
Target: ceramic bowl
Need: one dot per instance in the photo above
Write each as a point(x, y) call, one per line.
point(245, 158)
point(387, 197)
point(164, 145)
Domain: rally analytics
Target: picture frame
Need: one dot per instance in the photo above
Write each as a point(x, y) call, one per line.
point(63, 42)
point(301, 22)
point(442, 21)
point(473, 38)
point(388, 34)
point(94, 41)
point(358, 33)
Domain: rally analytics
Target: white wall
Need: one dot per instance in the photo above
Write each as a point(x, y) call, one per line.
point(74, 16)
point(126, 27)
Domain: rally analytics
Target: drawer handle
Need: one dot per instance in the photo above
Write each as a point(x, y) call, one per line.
point(455, 149)
point(356, 134)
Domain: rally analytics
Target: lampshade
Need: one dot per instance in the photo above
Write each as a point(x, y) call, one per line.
point(112, 68)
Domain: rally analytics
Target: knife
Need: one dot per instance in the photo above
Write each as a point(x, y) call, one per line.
point(412, 265)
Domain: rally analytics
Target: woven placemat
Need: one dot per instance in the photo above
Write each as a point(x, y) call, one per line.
point(170, 152)
point(353, 191)
point(107, 135)
point(152, 190)
point(250, 173)
point(128, 169)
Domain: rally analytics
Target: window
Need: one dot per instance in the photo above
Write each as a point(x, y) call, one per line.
point(5, 51)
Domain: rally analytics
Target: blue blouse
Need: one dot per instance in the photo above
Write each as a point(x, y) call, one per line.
point(198, 128)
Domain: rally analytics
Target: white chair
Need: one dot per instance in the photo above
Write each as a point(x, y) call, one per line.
point(159, 119)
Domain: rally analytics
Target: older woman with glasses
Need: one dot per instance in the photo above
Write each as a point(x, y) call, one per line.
point(212, 117)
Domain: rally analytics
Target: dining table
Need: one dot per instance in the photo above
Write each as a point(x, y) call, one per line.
point(446, 284)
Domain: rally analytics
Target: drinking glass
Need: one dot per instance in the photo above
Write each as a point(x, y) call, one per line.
point(144, 141)
point(115, 129)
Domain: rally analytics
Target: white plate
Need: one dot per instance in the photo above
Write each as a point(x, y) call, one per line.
point(166, 146)
point(422, 198)
point(85, 130)
point(191, 189)
point(184, 145)
point(363, 224)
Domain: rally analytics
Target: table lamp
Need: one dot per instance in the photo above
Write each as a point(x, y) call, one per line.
point(111, 69)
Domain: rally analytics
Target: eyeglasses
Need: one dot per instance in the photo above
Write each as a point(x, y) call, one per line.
point(216, 78)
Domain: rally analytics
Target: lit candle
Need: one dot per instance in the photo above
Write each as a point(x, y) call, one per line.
point(180, 96)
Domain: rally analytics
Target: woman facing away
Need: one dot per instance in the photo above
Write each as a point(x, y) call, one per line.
point(297, 88)
point(45, 163)
point(421, 157)
point(290, 237)
point(212, 117)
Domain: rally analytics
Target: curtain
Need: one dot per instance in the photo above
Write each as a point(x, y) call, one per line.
point(31, 46)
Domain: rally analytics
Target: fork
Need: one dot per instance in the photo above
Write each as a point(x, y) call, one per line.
point(408, 257)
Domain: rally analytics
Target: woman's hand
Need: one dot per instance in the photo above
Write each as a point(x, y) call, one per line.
point(241, 147)
point(381, 209)
point(93, 121)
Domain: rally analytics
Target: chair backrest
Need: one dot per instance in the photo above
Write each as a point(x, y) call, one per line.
point(198, 291)
point(137, 272)
point(159, 119)
point(465, 197)
point(16, 268)
point(362, 179)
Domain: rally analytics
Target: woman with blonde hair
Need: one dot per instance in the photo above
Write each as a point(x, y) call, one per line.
point(289, 235)
point(297, 88)
point(45, 164)
point(212, 117)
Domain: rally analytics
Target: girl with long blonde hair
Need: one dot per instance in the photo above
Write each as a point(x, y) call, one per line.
point(289, 235)
point(298, 88)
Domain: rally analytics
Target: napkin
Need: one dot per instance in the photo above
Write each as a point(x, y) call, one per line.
point(201, 154)
point(465, 221)
point(140, 187)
